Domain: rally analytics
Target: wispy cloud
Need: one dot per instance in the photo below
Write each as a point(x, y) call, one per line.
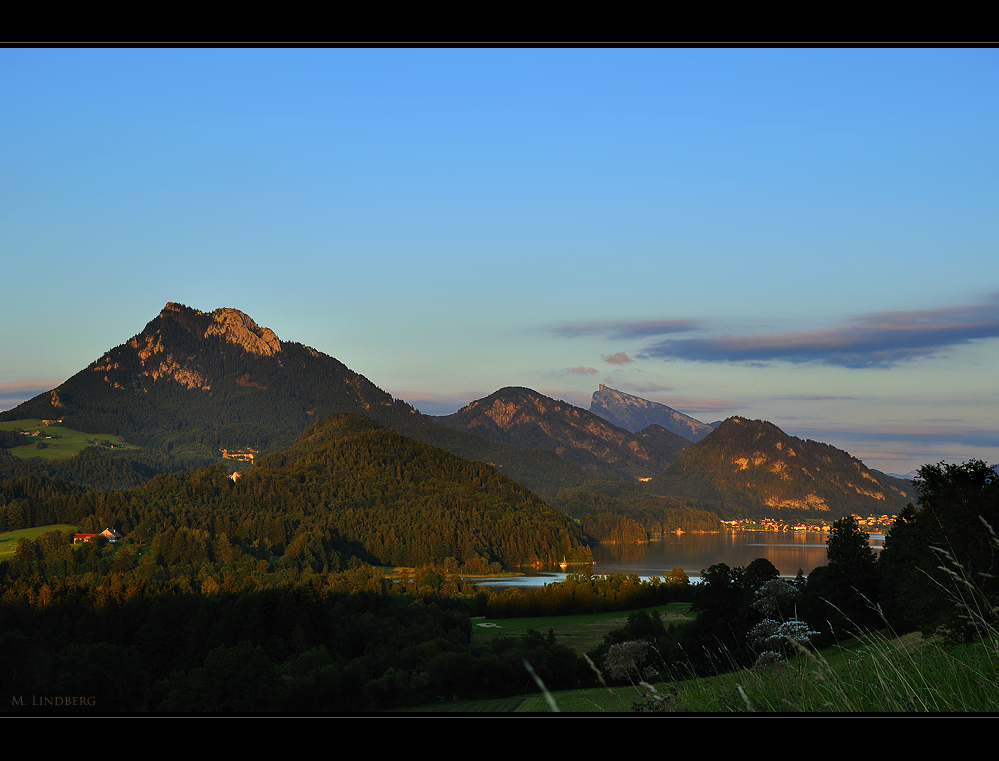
point(583, 370)
point(903, 446)
point(880, 339)
point(925, 432)
point(618, 359)
point(27, 388)
point(622, 329)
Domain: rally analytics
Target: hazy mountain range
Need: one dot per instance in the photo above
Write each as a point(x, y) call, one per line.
point(192, 383)
point(523, 417)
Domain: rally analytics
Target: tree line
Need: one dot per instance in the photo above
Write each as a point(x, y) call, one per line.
point(938, 573)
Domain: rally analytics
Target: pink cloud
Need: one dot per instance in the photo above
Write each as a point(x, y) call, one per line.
point(618, 359)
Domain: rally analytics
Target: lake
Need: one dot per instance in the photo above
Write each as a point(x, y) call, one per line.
point(787, 550)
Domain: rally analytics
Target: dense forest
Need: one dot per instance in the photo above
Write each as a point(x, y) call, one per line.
point(617, 511)
point(100, 468)
point(194, 621)
point(349, 488)
point(343, 643)
point(256, 594)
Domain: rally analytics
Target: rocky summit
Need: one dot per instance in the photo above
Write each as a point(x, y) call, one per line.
point(158, 358)
point(526, 418)
point(214, 380)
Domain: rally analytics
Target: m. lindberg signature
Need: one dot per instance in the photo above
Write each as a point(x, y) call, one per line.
point(59, 700)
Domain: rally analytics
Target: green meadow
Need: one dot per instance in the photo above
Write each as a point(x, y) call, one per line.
point(9, 540)
point(582, 633)
point(56, 442)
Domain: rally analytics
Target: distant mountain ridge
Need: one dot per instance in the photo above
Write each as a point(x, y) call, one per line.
point(634, 414)
point(526, 418)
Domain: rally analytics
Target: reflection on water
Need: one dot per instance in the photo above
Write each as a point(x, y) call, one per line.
point(529, 579)
point(788, 551)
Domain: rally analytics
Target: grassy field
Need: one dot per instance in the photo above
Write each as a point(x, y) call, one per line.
point(581, 633)
point(57, 442)
point(9, 540)
point(874, 674)
point(877, 673)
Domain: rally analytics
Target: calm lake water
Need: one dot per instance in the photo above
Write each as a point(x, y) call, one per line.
point(788, 551)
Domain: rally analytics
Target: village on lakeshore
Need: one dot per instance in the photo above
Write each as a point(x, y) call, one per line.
point(874, 524)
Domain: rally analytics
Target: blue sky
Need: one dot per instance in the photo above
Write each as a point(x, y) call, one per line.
point(804, 236)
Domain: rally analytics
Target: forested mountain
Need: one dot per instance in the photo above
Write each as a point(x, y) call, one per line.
point(348, 488)
point(614, 511)
point(635, 413)
point(526, 418)
point(192, 383)
point(99, 468)
point(212, 380)
point(752, 468)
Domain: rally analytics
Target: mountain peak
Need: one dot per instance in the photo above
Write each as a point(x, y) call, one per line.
point(527, 418)
point(234, 378)
point(238, 328)
point(234, 326)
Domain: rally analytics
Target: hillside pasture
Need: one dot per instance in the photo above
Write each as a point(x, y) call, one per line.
point(9, 540)
point(56, 442)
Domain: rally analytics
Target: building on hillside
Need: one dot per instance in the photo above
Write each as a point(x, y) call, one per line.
point(245, 454)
